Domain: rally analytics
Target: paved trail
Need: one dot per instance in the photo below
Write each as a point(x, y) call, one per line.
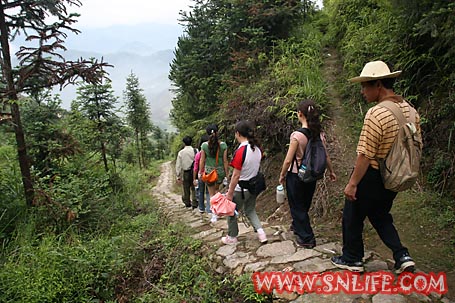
point(280, 253)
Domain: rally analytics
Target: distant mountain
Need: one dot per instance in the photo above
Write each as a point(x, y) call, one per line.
point(146, 50)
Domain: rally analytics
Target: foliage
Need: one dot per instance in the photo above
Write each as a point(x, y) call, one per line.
point(45, 24)
point(96, 102)
point(293, 75)
point(49, 143)
point(225, 44)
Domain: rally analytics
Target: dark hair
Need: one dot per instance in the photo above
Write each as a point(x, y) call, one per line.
point(310, 111)
point(187, 140)
point(386, 82)
point(204, 138)
point(212, 132)
point(246, 129)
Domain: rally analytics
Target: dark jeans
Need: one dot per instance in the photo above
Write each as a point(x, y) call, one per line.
point(300, 196)
point(203, 191)
point(188, 187)
point(375, 202)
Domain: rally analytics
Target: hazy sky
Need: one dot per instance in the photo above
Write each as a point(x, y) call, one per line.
point(101, 13)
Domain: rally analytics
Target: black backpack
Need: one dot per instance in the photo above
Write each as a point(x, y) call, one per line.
point(314, 160)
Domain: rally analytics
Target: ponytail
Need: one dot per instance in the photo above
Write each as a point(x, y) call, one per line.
point(212, 132)
point(310, 111)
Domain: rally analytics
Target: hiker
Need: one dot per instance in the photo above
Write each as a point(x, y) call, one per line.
point(299, 193)
point(246, 162)
point(214, 156)
point(365, 193)
point(184, 172)
point(202, 189)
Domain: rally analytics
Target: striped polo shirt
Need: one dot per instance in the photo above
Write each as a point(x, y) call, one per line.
point(380, 129)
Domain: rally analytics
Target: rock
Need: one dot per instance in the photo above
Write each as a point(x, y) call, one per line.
point(226, 250)
point(300, 255)
point(376, 265)
point(276, 249)
point(258, 266)
point(332, 248)
point(385, 298)
point(319, 298)
point(238, 258)
point(314, 265)
point(289, 296)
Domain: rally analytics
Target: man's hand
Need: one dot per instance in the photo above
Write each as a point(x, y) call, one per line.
point(350, 192)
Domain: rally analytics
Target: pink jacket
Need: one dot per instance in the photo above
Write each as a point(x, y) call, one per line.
point(221, 206)
point(197, 158)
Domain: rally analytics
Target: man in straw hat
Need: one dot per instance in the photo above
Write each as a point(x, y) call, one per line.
point(365, 193)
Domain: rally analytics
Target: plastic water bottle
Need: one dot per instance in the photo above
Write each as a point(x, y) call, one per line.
point(225, 181)
point(302, 170)
point(280, 194)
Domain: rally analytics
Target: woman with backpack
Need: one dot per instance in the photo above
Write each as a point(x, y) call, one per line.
point(246, 162)
point(299, 193)
point(214, 157)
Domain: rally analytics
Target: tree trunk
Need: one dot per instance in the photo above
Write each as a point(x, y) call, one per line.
point(15, 113)
point(103, 154)
point(138, 149)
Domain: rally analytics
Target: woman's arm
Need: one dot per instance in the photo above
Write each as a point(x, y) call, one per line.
point(234, 180)
point(202, 162)
point(288, 160)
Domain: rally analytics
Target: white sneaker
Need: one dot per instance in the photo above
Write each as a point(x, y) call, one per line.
point(229, 240)
point(214, 218)
point(262, 237)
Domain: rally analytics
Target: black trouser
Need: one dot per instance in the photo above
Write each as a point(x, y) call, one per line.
point(300, 196)
point(375, 202)
point(188, 187)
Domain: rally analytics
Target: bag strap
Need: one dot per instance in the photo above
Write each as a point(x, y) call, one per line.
point(395, 109)
point(244, 154)
point(307, 134)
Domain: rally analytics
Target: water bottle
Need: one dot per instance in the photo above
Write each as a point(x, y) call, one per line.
point(225, 181)
point(302, 170)
point(280, 194)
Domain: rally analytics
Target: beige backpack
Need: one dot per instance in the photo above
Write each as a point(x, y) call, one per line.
point(400, 168)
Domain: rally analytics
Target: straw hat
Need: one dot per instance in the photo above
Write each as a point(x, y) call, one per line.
point(373, 71)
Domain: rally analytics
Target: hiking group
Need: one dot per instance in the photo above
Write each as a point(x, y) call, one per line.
point(388, 155)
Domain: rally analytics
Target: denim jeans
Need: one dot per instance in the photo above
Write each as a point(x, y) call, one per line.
point(202, 187)
point(248, 206)
point(300, 195)
point(375, 202)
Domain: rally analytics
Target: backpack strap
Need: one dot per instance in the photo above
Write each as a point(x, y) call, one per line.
point(395, 109)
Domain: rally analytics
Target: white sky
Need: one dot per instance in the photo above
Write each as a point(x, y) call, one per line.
point(101, 13)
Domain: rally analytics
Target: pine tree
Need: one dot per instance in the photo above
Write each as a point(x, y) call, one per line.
point(138, 115)
point(97, 103)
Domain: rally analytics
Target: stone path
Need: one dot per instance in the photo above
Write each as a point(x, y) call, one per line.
point(279, 254)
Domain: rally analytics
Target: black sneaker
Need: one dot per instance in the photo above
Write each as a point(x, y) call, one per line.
point(405, 264)
point(339, 262)
point(309, 245)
